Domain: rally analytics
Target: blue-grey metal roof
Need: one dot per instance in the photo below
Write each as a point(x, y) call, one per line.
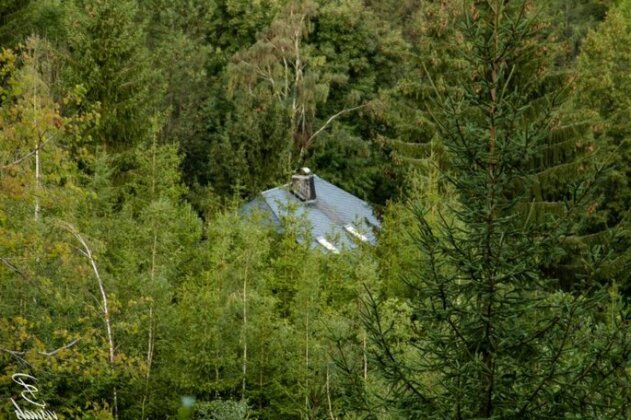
point(328, 215)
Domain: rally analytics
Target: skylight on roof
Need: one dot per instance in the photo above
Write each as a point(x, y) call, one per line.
point(327, 245)
point(353, 231)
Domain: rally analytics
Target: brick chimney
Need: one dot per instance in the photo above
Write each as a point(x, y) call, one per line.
point(303, 185)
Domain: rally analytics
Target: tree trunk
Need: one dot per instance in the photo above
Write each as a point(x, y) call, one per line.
point(245, 332)
point(87, 252)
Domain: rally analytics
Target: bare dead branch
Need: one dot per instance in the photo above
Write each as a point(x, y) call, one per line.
point(26, 156)
point(13, 352)
point(54, 352)
point(43, 353)
point(18, 355)
point(330, 120)
point(14, 268)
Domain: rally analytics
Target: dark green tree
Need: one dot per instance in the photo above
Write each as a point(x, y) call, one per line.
point(109, 57)
point(212, 156)
point(604, 94)
point(409, 136)
point(569, 21)
point(177, 36)
point(13, 14)
point(489, 331)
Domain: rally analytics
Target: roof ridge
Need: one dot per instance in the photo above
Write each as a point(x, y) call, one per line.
point(275, 188)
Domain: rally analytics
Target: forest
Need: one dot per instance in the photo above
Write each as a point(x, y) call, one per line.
point(491, 137)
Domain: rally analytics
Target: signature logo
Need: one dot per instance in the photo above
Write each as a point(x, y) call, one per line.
point(35, 408)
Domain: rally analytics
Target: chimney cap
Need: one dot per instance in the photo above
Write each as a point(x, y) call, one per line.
point(304, 171)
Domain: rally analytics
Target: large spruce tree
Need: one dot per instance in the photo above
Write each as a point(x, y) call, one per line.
point(490, 332)
point(604, 92)
point(108, 56)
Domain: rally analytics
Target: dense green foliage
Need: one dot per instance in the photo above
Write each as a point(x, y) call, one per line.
point(492, 137)
point(492, 335)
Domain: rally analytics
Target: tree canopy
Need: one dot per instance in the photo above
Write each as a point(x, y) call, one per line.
point(491, 138)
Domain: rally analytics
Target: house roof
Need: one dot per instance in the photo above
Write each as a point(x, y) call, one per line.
point(338, 219)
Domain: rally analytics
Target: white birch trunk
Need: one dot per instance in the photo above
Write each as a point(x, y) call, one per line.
point(245, 332)
point(365, 356)
point(87, 252)
point(37, 154)
point(328, 392)
point(307, 362)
